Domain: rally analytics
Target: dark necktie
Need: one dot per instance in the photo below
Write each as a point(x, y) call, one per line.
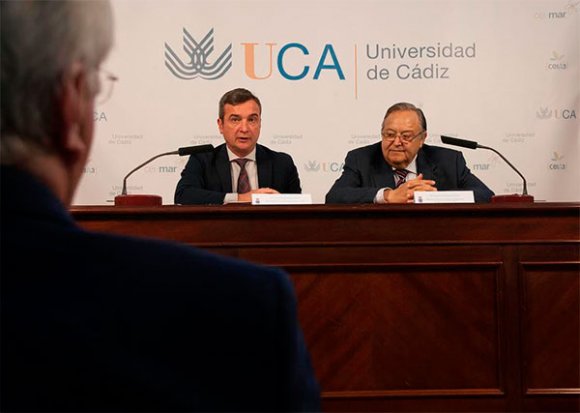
point(400, 175)
point(243, 179)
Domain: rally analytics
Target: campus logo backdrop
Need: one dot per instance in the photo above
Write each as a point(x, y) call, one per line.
point(325, 89)
point(323, 166)
point(546, 113)
point(557, 162)
point(557, 61)
point(558, 11)
point(197, 61)
point(435, 61)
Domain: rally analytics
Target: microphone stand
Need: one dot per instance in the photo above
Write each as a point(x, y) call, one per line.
point(153, 200)
point(524, 197)
point(124, 191)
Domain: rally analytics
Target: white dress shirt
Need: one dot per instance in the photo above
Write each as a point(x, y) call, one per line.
point(412, 174)
point(251, 169)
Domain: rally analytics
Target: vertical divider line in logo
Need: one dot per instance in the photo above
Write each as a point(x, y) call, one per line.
point(355, 73)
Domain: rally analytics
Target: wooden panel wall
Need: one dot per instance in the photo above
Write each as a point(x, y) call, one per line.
point(411, 308)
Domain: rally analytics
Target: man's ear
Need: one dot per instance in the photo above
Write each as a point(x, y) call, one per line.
point(423, 139)
point(220, 124)
point(75, 99)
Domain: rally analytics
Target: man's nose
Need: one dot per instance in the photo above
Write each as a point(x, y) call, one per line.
point(244, 124)
point(398, 140)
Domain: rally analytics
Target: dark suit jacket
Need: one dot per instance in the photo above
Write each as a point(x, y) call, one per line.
point(365, 172)
point(207, 177)
point(102, 322)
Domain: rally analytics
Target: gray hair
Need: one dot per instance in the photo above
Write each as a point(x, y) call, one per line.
point(40, 40)
point(404, 106)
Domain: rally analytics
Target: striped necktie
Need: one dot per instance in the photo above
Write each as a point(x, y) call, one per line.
point(243, 179)
point(400, 176)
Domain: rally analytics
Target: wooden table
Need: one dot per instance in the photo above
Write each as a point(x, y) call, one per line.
point(410, 307)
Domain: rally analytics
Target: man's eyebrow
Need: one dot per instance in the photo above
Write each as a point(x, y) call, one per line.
point(249, 116)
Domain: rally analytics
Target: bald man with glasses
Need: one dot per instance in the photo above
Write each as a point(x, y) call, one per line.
point(392, 170)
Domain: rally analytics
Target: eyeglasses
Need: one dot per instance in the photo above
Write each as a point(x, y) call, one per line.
point(406, 137)
point(106, 83)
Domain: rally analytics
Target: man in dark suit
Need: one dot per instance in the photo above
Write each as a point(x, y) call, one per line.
point(98, 322)
point(240, 167)
point(392, 170)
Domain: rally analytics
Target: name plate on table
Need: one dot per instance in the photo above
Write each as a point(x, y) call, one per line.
point(281, 199)
point(444, 197)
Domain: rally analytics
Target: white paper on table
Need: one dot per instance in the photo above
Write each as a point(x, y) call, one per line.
point(444, 197)
point(281, 199)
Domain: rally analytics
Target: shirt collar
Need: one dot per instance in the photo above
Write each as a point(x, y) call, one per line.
point(251, 156)
point(412, 167)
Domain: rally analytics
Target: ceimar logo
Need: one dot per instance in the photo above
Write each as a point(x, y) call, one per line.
point(557, 163)
point(492, 162)
point(573, 6)
point(557, 157)
point(481, 166)
point(164, 169)
point(557, 62)
point(198, 54)
point(569, 9)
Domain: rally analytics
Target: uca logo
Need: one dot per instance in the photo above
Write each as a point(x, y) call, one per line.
point(544, 113)
point(197, 63)
point(312, 166)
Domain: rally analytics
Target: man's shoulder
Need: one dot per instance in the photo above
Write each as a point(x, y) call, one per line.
point(366, 151)
point(157, 258)
point(264, 151)
point(438, 152)
point(215, 152)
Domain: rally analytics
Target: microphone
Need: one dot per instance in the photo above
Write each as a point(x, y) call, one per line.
point(464, 143)
point(153, 200)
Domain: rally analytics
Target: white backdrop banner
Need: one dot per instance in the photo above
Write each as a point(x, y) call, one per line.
point(504, 73)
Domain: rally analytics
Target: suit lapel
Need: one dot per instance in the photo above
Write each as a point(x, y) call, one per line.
point(425, 167)
point(264, 168)
point(382, 176)
point(224, 171)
